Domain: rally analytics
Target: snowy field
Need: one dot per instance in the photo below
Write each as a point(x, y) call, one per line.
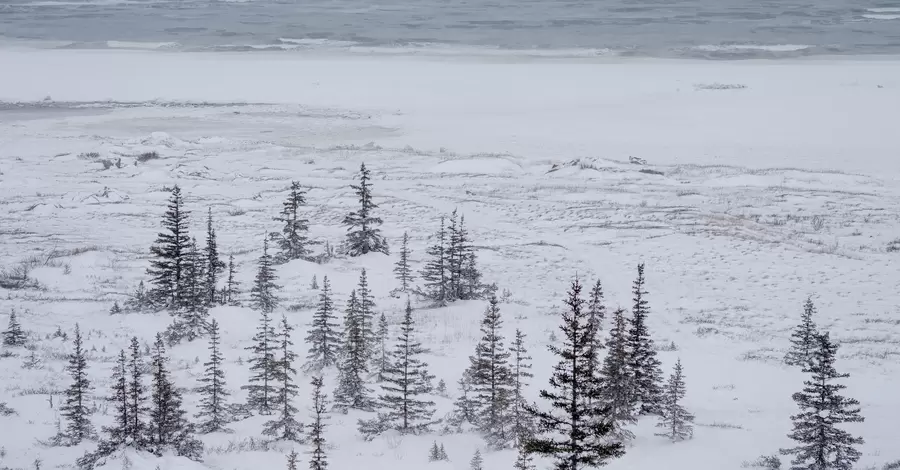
point(764, 183)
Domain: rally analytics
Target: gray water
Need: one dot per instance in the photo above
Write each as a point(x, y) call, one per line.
point(667, 28)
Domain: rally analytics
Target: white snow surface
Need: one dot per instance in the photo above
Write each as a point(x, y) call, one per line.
point(535, 153)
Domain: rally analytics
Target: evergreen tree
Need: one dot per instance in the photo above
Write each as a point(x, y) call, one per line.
point(191, 318)
point(214, 265)
point(404, 410)
point(316, 436)
point(315, 283)
point(292, 460)
point(169, 251)
point(382, 358)
point(75, 408)
point(821, 444)
point(477, 463)
point(522, 425)
point(523, 459)
point(596, 314)
point(402, 270)
point(363, 234)
point(140, 300)
point(643, 365)
point(436, 273)
point(261, 391)
point(674, 419)
point(230, 291)
point(434, 454)
point(286, 427)
point(454, 258)
point(577, 432)
point(168, 429)
point(366, 314)
point(803, 340)
point(617, 389)
point(14, 336)
point(471, 286)
point(137, 407)
point(465, 408)
point(213, 413)
point(323, 338)
point(264, 294)
point(352, 391)
point(292, 241)
point(115, 309)
point(492, 380)
point(118, 433)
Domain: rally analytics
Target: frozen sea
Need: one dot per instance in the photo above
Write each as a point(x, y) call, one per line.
point(656, 28)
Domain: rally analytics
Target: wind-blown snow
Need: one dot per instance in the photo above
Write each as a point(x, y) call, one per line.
point(535, 154)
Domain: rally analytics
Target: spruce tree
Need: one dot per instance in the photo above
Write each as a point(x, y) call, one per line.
point(75, 408)
point(292, 460)
point(674, 419)
point(402, 270)
point(617, 389)
point(285, 427)
point(363, 234)
point(352, 391)
point(115, 309)
point(261, 391)
point(314, 285)
point(14, 336)
point(168, 429)
point(293, 240)
point(596, 313)
point(465, 407)
point(118, 433)
point(213, 413)
point(404, 410)
point(139, 301)
point(137, 407)
point(643, 365)
point(577, 434)
point(471, 286)
point(169, 251)
point(523, 459)
point(316, 437)
point(230, 291)
point(323, 337)
point(821, 444)
point(214, 265)
point(454, 258)
point(803, 340)
point(366, 314)
point(436, 272)
point(492, 380)
point(477, 462)
point(382, 357)
point(434, 454)
point(264, 292)
point(522, 425)
point(191, 317)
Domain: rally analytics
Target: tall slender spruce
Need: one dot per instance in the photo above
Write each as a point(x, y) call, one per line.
point(214, 264)
point(821, 444)
point(118, 433)
point(381, 359)
point(14, 335)
point(261, 386)
point(804, 341)
point(596, 314)
point(231, 289)
point(617, 386)
point(168, 429)
point(522, 425)
point(292, 241)
point(403, 409)
point(644, 367)
point(316, 438)
point(577, 436)
point(137, 399)
point(285, 427)
point(492, 380)
point(169, 251)
point(191, 317)
point(363, 234)
point(75, 408)
point(352, 391)
point(323, 339)
point(264, 293)
point(674, 419)
point(402, 270)
point(366, 313)
point(436, 272)
point(213, 415)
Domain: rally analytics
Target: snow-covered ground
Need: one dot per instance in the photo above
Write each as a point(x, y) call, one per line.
point(765, 183)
